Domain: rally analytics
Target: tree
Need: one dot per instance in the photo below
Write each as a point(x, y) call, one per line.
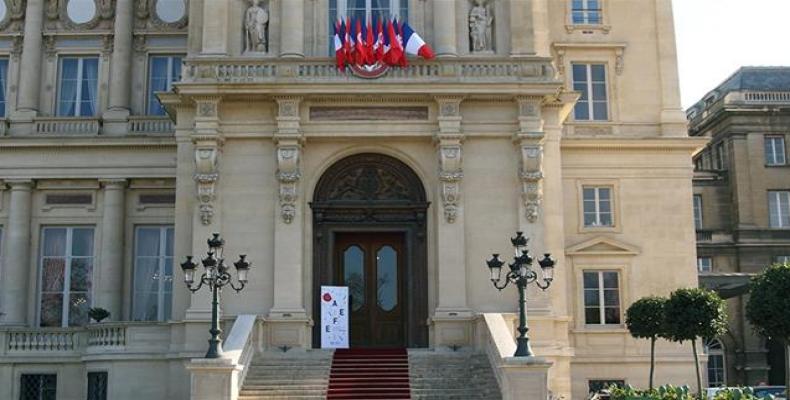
point(646, 319)
point(768, 308)
point(693, 314)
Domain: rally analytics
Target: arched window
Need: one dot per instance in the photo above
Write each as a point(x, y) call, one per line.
point(365, 10)
point(717, 371)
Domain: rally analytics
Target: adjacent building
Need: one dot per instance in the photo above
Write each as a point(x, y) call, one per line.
point(132, 130)
point(742, 210)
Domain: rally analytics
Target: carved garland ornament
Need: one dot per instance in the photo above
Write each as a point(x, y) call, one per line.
point(206, 175)
point(530, 141)
point(450, 175)
point(288, 175)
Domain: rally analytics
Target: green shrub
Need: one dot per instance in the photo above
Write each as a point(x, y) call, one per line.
point(739, 394)
point(670, 392)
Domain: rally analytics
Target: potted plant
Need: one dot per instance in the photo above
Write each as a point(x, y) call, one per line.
point(98, 314)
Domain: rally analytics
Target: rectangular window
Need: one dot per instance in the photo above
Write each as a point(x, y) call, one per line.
point(77, 86)
point(153, 273)
point(775, 150)
point(3, 85)
point(697, 212)
point(601, 298)
point(373, 10)
point(162, 72)
point(720, 156)
point(66, 276)
point(97, 385)
point(597, 202)
point(590, 81)
point(779, 208)
point(38, 387)
point(704, 264)
point(586, 12)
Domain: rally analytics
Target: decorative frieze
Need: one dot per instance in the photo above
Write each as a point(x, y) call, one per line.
point(530, 141)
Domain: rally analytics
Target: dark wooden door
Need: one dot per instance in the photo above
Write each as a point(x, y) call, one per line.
point(372, 266)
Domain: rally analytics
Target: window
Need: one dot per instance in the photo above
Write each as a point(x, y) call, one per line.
point(66, 276)
point(720, 156)
point(162, 72)
point(586, 12)
point(697, 212)
point(704, 264)
point(596, 385)
point(153, 273)
point(372, 10)
point(601, 298)
point(3, 85)
point(38, 386)
point(781, 259)
point(77, 88)
point(716, 369)
point(590, 81)
point(775, 150)
point(779, 208)
point(597, 204)
point(97, 385)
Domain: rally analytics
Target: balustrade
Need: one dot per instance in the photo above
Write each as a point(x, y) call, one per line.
point(43, 340)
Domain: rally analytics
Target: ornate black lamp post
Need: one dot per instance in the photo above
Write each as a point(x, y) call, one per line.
point(522, 274)
point(216, 276)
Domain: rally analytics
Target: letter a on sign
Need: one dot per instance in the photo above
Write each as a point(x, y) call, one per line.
point(334, 317)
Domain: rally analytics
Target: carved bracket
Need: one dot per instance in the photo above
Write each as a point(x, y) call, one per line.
point(206, 176)
point(288, 175)
point(450, 176)
point(530, 141)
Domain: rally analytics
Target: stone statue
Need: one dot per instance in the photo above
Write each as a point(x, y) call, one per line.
point(480, 22)
point(256, 25)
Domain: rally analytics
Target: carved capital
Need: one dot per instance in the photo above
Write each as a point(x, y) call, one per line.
point(288, 176)
point(449, 118)
point(206, 176)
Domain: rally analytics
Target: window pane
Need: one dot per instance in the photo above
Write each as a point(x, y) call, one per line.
point(145, 306)
point(170, 232)
point(3, 85)
point(90, 79)
point(51, 310)
point(606, 219)
point(78, 309)
point(52, 274)
point(592, 315)
point(55, 242)
point(82, 242)
point(354, 276)
point(610, 280)
point(81, 278)
point(591, 280)
point(592, 298)
point(387, 278)
point(604, 193)
point(581, 112)
point(148, 242)
point(612, 315)
point(598, 73)
point(600, 111)
point(146, 275)
point(579, 72)
point(611, 297)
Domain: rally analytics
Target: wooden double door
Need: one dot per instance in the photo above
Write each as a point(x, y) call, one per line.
point(372, 266)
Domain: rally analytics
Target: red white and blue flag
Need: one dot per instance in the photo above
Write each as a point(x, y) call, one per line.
point(377, 43)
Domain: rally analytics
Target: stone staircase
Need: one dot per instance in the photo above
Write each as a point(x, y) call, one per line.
point(444, 375)
point(432, 375)
point(291, 375)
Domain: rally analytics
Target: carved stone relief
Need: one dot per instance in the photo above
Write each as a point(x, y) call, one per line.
point(481, 22)
point(13, 16)
point(161, 15)
point(288, 175)
point(530, 141)
point(256, 28)
point(80, 14)
point(450, 175)
point(206, 175)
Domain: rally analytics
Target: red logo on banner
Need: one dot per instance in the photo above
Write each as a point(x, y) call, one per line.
point(327, 297)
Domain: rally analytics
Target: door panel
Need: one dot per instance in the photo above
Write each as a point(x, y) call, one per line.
point(372, 266)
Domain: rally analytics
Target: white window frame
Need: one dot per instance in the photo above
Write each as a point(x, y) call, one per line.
point(68, 257)
point(777, 155)
point(149, 93)
point(601, 297)
point(78, 104)
point(698, 211)
point(719, 352)
point(395, 6)
point(161, 259)
point(597, 201)
point(776, 197)
point(585, 12)
point(704, 264)
point(589, 85)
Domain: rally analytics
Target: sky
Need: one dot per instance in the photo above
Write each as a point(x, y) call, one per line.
point(716, 37)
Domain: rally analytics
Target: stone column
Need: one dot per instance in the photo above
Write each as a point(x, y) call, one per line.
point(288, 320)
point(121, 68)
point(522, 28)
point(17, 264)
point(110, 283)
point(292, 29)
point(452, 319)
point(673, 118)
point(30, 73)
point(215, 27)
point(444, 28)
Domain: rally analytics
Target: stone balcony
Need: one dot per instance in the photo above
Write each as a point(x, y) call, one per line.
point(199, 71)
point(91, 126)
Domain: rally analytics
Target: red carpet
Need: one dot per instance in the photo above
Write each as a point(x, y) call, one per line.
point(369, 374)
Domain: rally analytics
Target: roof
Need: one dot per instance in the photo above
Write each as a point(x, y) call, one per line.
point(768, 79)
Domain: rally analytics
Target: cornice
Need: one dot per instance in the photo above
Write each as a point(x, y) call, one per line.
point(10, 143)
point(687, 144)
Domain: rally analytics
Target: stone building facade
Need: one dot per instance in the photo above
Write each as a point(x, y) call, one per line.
point(740, 200)
point(560, 119)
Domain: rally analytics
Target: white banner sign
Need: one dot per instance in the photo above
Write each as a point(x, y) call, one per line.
point(334, 317)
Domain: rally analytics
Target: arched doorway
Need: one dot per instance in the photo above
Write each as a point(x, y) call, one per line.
point(369, 214)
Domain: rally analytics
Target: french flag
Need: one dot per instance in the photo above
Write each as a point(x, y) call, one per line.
point(414, 45)
point(340, 51)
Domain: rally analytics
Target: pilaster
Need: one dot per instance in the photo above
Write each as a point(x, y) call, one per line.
point(288, 323)
point(292, 29)
point(117, 114)
point(215, 27)
point(522, 29)
point(16, 263)
point(673, 118)
point(30, 74)
point(452, 320)
point(444, 28)
point(110, 282)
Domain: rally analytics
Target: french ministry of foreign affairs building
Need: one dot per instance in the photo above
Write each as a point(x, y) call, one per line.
point(133, 130)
